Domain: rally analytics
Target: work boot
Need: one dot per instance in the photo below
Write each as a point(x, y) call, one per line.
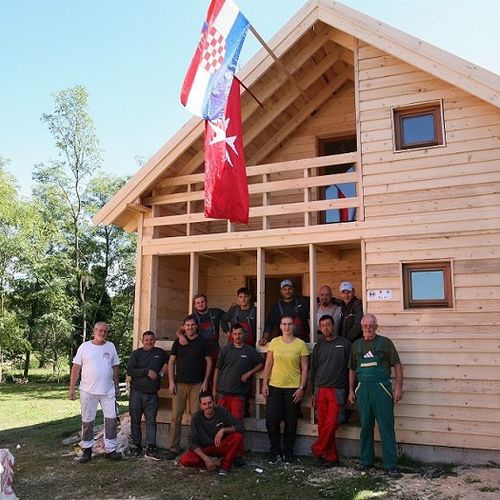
point(86, 457)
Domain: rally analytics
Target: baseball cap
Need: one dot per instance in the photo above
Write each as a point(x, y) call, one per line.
point(345, 286)
point(286, 283)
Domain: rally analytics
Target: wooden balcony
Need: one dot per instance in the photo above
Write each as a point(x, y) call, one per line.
point(282, 195)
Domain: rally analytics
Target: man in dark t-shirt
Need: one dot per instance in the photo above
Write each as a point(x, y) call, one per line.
point(236, 364)
point(329, 377)
point(189, 369)
point(145, 366)
point(216, 438)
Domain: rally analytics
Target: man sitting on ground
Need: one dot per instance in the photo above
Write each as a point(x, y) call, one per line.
point(216, 437)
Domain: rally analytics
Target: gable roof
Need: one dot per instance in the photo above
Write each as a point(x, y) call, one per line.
point(326, 30)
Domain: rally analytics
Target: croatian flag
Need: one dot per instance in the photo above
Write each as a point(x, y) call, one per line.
point(226, 185)
point(208, 79)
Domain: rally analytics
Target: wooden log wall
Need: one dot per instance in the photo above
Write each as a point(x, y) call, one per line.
point(451, 356)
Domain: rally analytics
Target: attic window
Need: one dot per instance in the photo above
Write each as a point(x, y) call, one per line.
point(418, 126)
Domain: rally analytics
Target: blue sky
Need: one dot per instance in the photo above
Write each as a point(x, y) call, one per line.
point(132, 56)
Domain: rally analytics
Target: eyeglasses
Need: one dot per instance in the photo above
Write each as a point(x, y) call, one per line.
point(370, 326)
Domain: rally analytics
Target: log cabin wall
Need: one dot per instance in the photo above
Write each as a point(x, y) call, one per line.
point(450, 195)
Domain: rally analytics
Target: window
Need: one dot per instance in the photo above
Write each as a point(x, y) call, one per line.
point(418, 126)
point(427, 284)
point(336, 191)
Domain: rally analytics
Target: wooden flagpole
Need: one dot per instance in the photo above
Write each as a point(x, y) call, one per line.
point(278, 62)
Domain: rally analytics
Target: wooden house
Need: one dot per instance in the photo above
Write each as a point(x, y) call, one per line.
point(359, 116)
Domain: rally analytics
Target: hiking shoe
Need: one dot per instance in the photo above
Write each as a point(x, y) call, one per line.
point(393, 473)
point(114, 456)
point(138, 451)
point(239, 462)
point(274, 459)
point(171, 454)
point(86, 457)
point(223, 472)
point(152, 453)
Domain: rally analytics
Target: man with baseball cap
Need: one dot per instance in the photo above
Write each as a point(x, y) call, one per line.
point(349, 325)
point(297, 307)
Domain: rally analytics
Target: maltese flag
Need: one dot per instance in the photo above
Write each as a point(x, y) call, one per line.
point(226, 185)
point(208, 79)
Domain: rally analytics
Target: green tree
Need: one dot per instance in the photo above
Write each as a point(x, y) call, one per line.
point(79, 156)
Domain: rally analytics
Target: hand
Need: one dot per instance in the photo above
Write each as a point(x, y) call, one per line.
point(263, 341)
point(265, 391)
point(352, 398)
point(245, 377)
point(172, 389)
point(215, 396)
point(397, 394)
point(183, 340)
point(204, 387)
point(314, 400)
point(71, 393)
point(218, 437)
point(212, 463)
point(298, 395)
point(152, 374)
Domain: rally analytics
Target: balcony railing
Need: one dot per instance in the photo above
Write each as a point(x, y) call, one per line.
point(284, 194)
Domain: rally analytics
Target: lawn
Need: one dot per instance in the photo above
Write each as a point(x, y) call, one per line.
point(36, 417)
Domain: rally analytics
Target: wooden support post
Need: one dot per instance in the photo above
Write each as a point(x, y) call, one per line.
point(261, 311)
point(138, 282)
point(194, 271)
point(313, 285)
point(153, 293)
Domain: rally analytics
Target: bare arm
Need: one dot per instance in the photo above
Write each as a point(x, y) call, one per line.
point(254, 370)
point(214, 387)
point(208, 370)
point(75, 373)
point(352, 384)
point(171, 379)
point(181, 335)
point(398, 387)
point(298, 395)
point(267, 373)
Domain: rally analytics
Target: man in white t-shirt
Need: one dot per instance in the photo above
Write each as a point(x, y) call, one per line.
point(97, 363)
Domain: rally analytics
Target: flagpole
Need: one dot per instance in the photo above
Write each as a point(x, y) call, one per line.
point(249, 91)
point(278, 61)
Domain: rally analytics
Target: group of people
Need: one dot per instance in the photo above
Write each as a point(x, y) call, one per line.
point(349, 364)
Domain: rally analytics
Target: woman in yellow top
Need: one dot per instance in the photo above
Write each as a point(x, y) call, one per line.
point(285, 377)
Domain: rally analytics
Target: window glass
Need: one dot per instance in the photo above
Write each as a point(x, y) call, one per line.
point(427, 285)
point(417, 129)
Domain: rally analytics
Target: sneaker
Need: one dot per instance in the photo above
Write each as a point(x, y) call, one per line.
point(329, 464)
point(171, 454)
point(274, 459)
point(152, 453)
point(289, 459)
point(223, 472)
point(114, 456)
point(364, 467)
point(393, 473)
point(86, 457)
point(239, 462)
point(138, 450)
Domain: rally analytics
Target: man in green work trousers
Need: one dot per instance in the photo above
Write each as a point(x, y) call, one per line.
point(370, 363)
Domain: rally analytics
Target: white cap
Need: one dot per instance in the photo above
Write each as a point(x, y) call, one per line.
point(346, 286)
point(286, 283)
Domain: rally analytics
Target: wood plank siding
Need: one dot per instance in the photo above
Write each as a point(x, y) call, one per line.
point(451, 357)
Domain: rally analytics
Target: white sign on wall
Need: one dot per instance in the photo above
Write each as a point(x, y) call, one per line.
point(374, 295)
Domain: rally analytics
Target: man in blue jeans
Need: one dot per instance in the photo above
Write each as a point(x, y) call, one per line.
point(145, 366)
